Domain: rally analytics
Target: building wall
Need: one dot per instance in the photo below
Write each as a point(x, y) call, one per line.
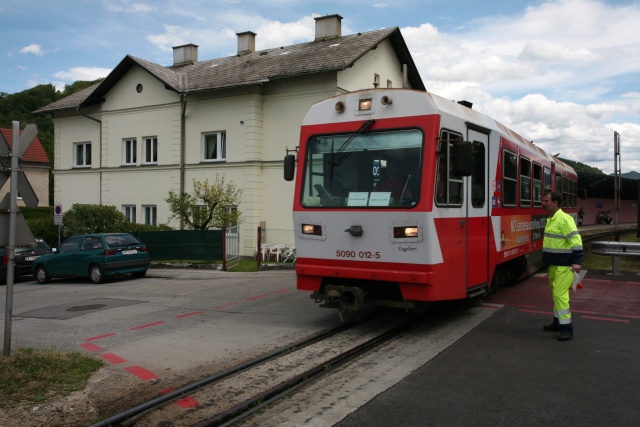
point(260, 123)
point(381, 61)
point(628, 210)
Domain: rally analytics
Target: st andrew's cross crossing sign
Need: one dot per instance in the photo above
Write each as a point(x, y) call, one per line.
point(23, 234)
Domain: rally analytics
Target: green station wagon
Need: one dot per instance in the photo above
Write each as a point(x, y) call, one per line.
point(96, 256)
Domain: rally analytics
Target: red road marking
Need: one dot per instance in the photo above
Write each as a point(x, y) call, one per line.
point(282, 291)
point(148, 325)
point(112, 358)
point(90, 347)
point(99, 337)
point(189, 314)
point(631, 317)
point(185, 403)
point(226, 305)
point(256, 297)
point(584, 312)
point(141, 373)
point(607, 319)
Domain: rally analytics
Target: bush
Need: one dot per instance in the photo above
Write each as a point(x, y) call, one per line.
point(82, 219)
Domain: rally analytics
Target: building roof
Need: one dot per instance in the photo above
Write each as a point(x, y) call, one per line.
point(596, 186)
point(35, 153)
point(334, 54)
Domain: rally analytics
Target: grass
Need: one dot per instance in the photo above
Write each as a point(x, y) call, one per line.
point(32, 376)
point(601, 262)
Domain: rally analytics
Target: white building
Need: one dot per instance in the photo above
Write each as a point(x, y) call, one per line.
point(148, 129)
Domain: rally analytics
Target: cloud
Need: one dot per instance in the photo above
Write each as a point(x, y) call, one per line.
point(82, 73)
point(548, 51)
point(555, 74)
point(127, 6)
point(222, 36)
point(35, 49)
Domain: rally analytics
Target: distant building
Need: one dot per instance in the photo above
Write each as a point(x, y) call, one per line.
point(35, 165)
point(597, 193)
point(148, 129)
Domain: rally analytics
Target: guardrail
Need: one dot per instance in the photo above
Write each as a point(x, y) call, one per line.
point(616, 250)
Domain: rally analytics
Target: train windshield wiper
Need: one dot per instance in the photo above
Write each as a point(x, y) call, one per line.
point(333, 162)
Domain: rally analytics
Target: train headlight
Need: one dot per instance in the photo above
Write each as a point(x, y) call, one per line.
point(312, 229)
point(405, 232)
point(364, 104)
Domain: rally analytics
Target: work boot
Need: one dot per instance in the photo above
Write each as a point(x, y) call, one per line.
point(552, 327)
point(565, 336)
point(566, 332)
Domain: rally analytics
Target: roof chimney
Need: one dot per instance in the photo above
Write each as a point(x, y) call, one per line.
point(185, 54)
point(246, 42)
point(328, 27)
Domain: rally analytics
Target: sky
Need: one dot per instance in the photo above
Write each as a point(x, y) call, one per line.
point(562, 73)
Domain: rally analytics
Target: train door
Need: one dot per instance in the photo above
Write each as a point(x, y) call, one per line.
point(478, 209)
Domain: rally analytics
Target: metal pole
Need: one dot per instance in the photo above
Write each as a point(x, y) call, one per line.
point(11, 248)
point(617, 181)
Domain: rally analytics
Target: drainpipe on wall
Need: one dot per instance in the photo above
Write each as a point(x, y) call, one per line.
point(183, 143)
point(99, 151)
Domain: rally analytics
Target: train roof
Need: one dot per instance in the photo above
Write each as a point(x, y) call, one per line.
point(470, 115)
point(405, 103)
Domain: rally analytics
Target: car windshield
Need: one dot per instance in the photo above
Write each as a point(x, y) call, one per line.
point(374, 169)
point(117, 240)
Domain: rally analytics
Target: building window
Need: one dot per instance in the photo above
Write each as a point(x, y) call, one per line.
point(510, 178)
point(376, 81)
point(82, 152)
point(151, 150)
point(130, 151)
point(130, 213)
point(389, 84)
point(150, 214)
point(214, 146)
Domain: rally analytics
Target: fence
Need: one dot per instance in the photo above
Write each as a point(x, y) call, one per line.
point(275, 245)
point(179, 245)
point(231, 248)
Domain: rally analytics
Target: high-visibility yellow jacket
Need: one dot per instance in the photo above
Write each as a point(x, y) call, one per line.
point(562, 244)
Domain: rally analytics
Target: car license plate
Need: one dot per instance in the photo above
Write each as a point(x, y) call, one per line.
point(31, 258)
point(130, 252)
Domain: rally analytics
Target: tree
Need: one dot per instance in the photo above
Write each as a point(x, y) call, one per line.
point(210, 205)
point(83, 219)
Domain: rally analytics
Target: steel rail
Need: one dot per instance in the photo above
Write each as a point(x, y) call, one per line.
point(256, 403)
point(130, 416)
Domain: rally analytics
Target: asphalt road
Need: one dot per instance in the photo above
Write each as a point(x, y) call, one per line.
point(490, 365)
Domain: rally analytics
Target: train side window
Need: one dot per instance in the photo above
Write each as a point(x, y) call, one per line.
point(449, 188)
point(509, 177)
point(537, 185)
point(525, 182)
point(547, 180)
point(478, 180)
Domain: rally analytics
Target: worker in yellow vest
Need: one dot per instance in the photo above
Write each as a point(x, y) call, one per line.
point(562, 252)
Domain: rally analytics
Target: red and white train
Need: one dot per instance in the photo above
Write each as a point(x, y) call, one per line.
point(403, 197)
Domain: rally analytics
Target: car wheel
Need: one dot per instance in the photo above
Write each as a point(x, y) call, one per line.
point(42, 275)
point(96, 275)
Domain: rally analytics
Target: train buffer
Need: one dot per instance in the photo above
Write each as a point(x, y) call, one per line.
point(616, 250)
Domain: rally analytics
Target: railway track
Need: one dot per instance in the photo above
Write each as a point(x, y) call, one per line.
point(229, 396)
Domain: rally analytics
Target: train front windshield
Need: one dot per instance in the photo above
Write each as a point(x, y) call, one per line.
point(377, 169)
